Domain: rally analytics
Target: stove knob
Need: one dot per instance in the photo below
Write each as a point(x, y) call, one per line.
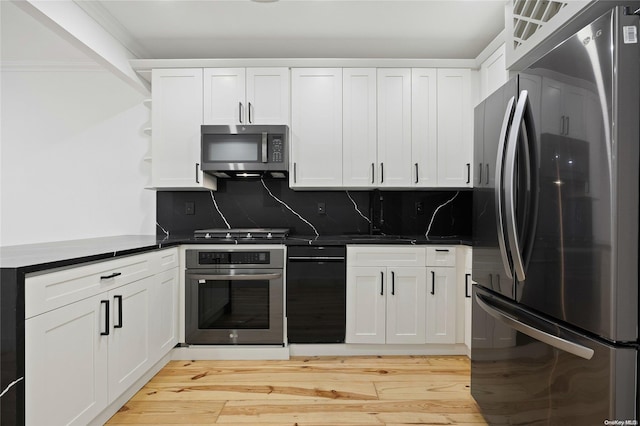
point(207, 235)
point(228, 236)
point(248, 234)
point(269, 235)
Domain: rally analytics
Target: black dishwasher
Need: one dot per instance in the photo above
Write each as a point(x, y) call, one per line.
point(316, 294)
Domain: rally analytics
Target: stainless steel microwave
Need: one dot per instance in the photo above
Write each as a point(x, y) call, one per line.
point(245, 150)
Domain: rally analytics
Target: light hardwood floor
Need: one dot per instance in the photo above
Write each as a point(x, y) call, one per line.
point(390, 390)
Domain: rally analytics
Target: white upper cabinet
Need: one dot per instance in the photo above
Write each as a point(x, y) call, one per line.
point(493, 72)
point(176, 119)
point(316, 128)
point(424, 127)
point(394, 127)
point(359, 130)
point(455, 128)
point(246, 96)
point(224, 99)
point(268, 95)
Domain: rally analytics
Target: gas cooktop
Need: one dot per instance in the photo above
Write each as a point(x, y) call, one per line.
point(242, 233)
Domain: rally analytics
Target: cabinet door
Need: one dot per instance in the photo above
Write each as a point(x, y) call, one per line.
point(224, 96)
point(176, 118)
point(66, 364)
point(129, 339)
point(268, 96)
point(366, 306)
point(316, 128)
point(394, 127)
point(455, 128)
point(424, 127)
point(359, 127)
point(164, 313)
point(441, 305)
point(406, 299)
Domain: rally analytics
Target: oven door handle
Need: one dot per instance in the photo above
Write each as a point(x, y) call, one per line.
point(236, 277)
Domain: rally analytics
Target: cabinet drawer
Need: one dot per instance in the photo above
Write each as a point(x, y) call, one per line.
point(47, 291)
point(167, 259)
point(385, 255)
point(441, 256)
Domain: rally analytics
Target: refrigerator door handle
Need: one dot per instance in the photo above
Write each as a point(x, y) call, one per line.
point(498, 190)
point(549, 339)
point(510, 189)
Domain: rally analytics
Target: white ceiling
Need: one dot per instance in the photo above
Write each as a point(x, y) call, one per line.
point(179, 29)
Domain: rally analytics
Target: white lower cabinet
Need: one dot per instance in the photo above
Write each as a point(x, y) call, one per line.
point(128, 340)
point(442, 277)
point(80, 357)
point(441, 305)
point(385, 305)
point(66, 364)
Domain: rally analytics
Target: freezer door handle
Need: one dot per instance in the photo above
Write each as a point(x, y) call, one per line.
point(499, 184)
point(549, 339)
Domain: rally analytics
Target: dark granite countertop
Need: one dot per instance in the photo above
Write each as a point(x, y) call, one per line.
point(42, 256)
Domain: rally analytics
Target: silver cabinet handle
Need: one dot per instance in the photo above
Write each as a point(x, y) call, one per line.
point(236, 277)
point(487, 182)
point(499, 184)
point(433, 282)
point(393, 283)
point(373, 172)
point(416, 172)
point(381, 172)
point(240, 112)
point(549, 339)
point(510, 189)
point(468, 173)
point(264, 147)
point(294, 173)
point(249, 109)
point(197, 173)
point(480, 174)
point(381, 283)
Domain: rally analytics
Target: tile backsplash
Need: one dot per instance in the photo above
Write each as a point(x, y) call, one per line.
point(248, 204)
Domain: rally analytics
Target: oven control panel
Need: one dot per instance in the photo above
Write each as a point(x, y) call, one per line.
point(234, 258)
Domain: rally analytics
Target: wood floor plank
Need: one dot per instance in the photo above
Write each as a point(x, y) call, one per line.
point(158, 412)
point(256, 391)
point(311, 391)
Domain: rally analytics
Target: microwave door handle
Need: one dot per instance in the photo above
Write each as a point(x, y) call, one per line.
point(264, 147)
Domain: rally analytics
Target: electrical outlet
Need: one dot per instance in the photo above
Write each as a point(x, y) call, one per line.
point(190, 208)
point(419, 208)
point(322, 208)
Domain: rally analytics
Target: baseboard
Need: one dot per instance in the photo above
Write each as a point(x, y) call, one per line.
point(244, 352)
point(355, 350)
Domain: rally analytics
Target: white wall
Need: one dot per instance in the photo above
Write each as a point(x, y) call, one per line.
point(72, 162)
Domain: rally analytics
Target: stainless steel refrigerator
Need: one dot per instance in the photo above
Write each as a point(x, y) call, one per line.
point(555, 234)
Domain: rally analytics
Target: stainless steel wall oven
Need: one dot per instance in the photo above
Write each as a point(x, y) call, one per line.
point(234, 296)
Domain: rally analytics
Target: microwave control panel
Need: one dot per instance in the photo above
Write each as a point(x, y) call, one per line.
point(276, 149)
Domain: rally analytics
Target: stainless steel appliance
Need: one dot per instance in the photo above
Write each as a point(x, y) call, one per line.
point(245, 150)
point(234, 296)
point(555, 313)
point(316, 294)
